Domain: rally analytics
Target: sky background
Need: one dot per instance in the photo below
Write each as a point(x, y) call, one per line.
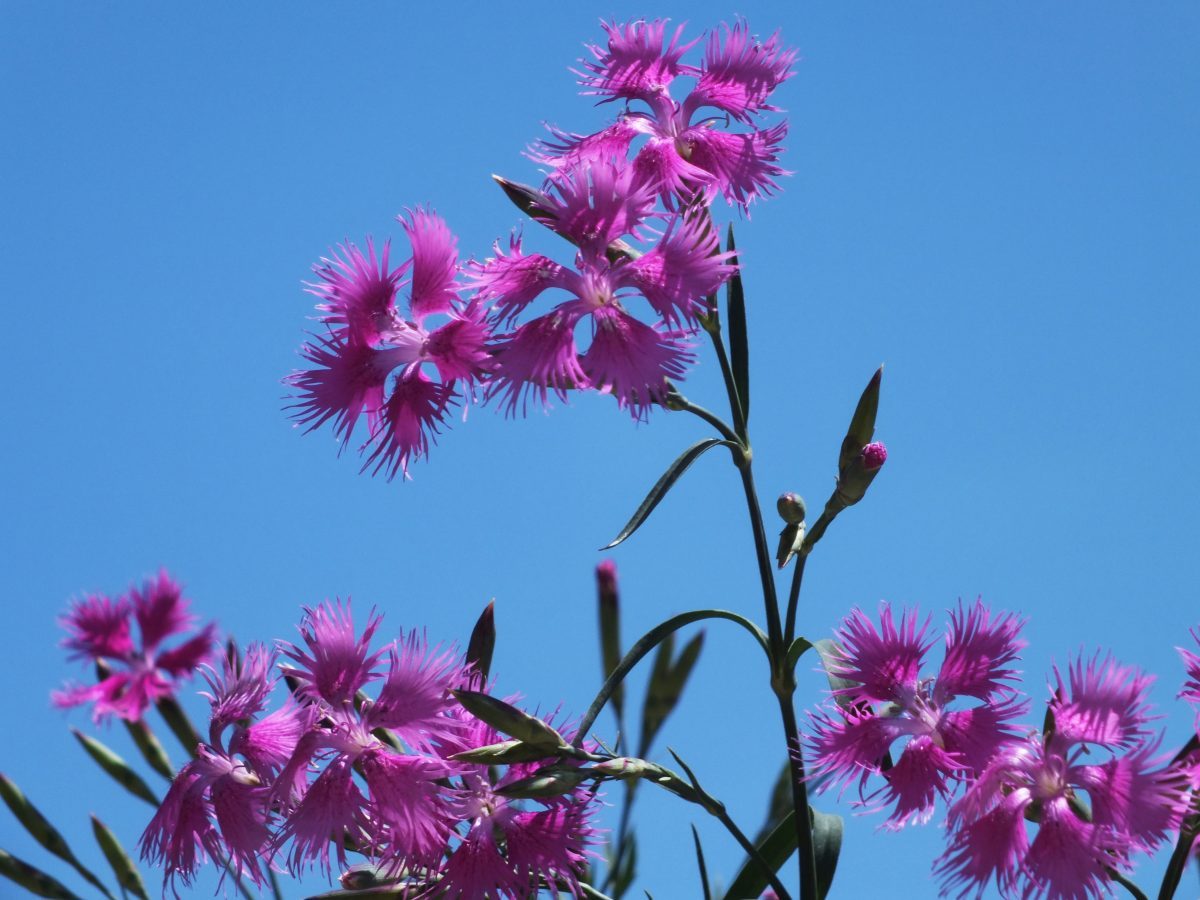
point(999, 202)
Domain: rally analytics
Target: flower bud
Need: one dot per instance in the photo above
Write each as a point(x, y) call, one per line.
point(546, 783)
point(623, 767)
point(857, 476)
point(791, 508)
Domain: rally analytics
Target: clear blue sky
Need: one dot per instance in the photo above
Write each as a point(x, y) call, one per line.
point(1000, 202)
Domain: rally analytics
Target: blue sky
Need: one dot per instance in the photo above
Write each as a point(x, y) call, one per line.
point(998, 202)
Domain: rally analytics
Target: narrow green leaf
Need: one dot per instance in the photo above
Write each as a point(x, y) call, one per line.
point(648, 642)
point(483, 641)
point(827, 846)
point(665, 687)
point(778, 847)
point(700, 864)
point(862, 425)
point(624, 868)
point(739, 344)
point(116, 768)
point(122, 866)
point(33, 880)
point(151, 748)
point(43, 832)
point(799, 647)
point(664, 484)
point(609, 607)
point(506, 718)
point(179, 723)
point(830, 655)
point(778, 805)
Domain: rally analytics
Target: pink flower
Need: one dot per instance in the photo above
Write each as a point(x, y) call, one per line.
point(218, 806)
point(887, 701)
point(593, 206)
point(1049, 779)
point(99, 629)
point(1191, 687)
point(373, 361)
point(684, 153)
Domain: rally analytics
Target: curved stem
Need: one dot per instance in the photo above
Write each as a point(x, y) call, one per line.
point(752, 852)
point(789, 628)
point(679, 402)
point(1133, 889)
point(648, 642)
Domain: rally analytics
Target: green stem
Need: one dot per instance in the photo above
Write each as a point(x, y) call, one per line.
point(735, 402)
point(679, 402)
point(1179, 858)
point(752, 852)
point(789, 628)
point(1133, 889)
point(804, 838)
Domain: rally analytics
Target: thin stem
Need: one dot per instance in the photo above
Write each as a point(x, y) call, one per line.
point(1179, 858)
point(789, 628)
point(765, 573)
point(735, 403)
point(804, 839)
point(1133, 889)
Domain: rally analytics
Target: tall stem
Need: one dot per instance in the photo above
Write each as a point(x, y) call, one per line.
point(804, 838)
point(789, 627)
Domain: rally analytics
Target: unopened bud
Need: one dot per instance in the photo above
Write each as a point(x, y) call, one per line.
point(857, 476)
point(360, 878)
point(531, 201)
point(874, 455)
point(503, 754)
point(623, 767)
point(548, 783)
point(791, 508)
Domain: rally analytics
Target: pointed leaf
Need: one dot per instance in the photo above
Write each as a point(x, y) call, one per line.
point(779, 804)
point(827, 845)
point(739, 344)
point(483, 642)
point(664, 484)
point(665, 687)
point(122, 866)
point(179, 723)
point(116, 768)
point(43, 832)
point(506, 718)
point(862, 425)
point(33, 880)
point(624, 867)
point(151, 748)
point(609, 606)
point(700, 864)
point(828, 650)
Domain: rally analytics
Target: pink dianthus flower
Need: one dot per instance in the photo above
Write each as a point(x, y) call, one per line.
point(100, 629)
point(886, 701)
point(374, 361)
point(684, 152)
point(1052, 779)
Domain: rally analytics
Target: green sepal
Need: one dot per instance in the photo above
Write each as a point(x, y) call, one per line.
point(483, 642)
point(506, 718)
point(862, 425)
point(664, 484)
point(43, 832)
point(504, 753)
point(116, 768)
point(549, 781)
point(122, 866)
point(33, 879)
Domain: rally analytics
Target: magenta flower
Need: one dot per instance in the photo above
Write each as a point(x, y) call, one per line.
point(684, 152)
point(99, 629)
point(887, 702)
point(219, 806)
point(593, 206)
point(1134, 799)
point(1191, 687)
point(405, 815)
point(375, 362)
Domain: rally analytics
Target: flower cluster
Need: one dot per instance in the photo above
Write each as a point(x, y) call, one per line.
point(375, 775)
point(133, 674)
point(637, 213)
point(1092, 782)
